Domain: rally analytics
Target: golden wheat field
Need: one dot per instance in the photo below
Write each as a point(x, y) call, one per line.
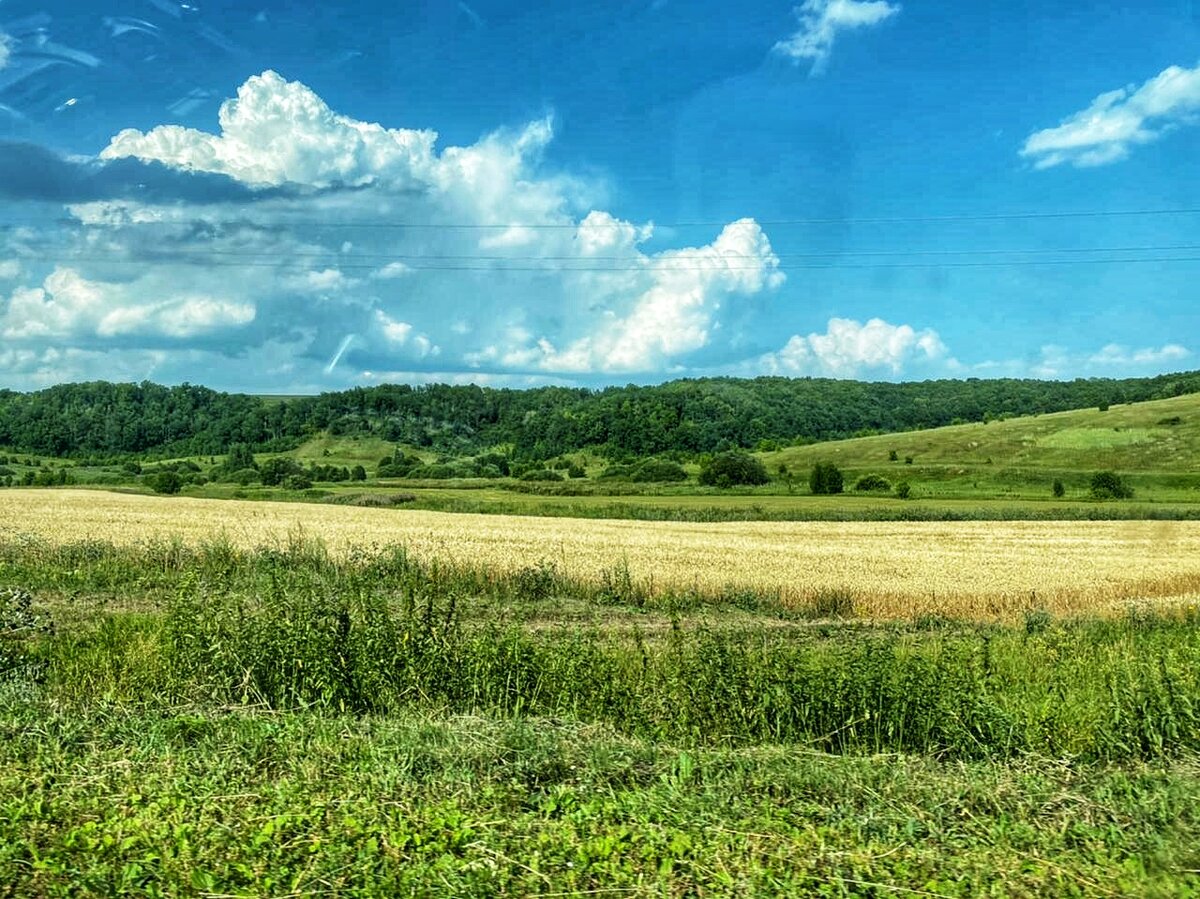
point(894, 569)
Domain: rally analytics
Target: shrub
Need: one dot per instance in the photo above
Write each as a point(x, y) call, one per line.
point(358, 473)
point(296, 482)
point(1058, 489)
point(1110, 485)
point(733, 468)
point(166, 482)
point(436, 472)
point(659, 470)
point(496, 460)
point(903, 490)
point(616, 472)
point(576, 471)
point(243, 478)
point(893, 456)
point(825, 479)
point(872, 482)
point(541, 474)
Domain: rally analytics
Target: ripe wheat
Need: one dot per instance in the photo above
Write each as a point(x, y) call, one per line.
point(991, 570)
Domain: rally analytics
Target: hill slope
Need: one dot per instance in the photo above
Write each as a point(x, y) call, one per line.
point(1157, 441)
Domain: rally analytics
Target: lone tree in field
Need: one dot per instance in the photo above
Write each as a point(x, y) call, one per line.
point(1110, 485)
point(826, 479)
point(732, 469)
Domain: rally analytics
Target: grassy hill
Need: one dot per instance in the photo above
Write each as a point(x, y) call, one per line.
point(326, 449)
point(1155, 443)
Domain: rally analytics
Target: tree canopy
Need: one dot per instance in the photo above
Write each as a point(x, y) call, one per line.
point(687, 416)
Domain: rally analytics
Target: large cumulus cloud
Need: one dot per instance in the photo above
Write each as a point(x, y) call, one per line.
point(359, 250)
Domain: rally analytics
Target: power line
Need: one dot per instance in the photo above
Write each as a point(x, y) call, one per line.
point(566, 269)
point(378, 258)
point(575, 225)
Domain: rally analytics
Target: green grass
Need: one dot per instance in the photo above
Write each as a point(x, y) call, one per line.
point(326, 449)
point(114, 800)
point(1158, 442)
point(212, 722)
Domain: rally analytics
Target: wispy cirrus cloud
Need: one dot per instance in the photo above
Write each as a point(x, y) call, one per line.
point(5, 49)
point(821, 21)
point(1119, 120)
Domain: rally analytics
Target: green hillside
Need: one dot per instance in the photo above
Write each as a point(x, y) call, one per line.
point(1156, 443)
point(326, 449)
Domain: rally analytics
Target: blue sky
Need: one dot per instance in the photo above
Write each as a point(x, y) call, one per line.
point(281, 197)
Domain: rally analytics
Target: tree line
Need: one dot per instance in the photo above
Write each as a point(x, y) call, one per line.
point(686, 416)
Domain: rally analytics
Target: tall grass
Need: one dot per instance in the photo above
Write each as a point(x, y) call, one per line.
point(291, 628)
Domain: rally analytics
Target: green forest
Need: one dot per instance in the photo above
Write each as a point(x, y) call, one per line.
point(687, 416)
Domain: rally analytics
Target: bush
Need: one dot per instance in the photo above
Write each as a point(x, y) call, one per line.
point(733, 468)
point(358, 473)
point(541, 474)
point(1110, 485)
point(903, 490)
point(297, 482)
point(495, 460)
point(616, 472)
point(872, 482)
point(826, 479)
point(1058, 489)
point(659, 470)
point(576, 471)
point(167, 482)
point(436, 472)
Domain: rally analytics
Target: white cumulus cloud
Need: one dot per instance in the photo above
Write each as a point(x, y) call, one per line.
point(67, 305)
point(279, 131)
point(822, 20)
point(848, 348)
point(1116, 354)
point(377, 248)
point(1119, 120)
point(677, 313)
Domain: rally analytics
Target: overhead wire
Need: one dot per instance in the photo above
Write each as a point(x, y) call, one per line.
point(280, 219)
point(716, 264)
point(837, 259)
